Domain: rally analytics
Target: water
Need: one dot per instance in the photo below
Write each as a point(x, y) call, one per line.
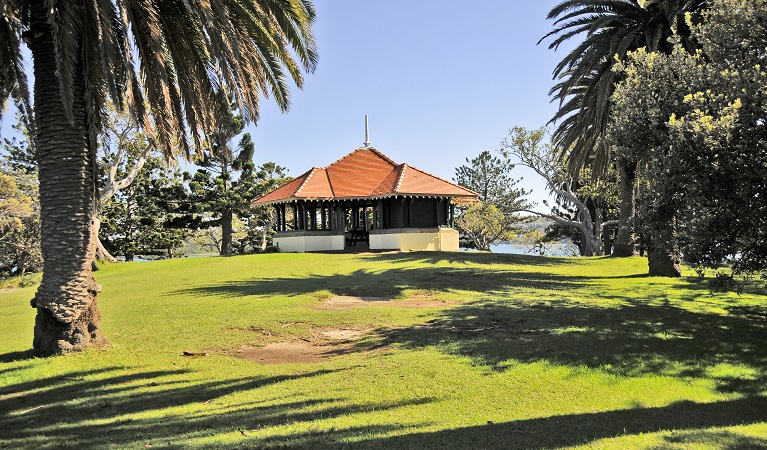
point(520, 249)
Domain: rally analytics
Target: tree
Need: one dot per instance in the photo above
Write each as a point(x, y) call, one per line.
point(190, 57)
point(723, 139)
point(528, 147)
point(261, 219)
point(19, 207)
point(19, 150)
point(485, 225)
point(600, 196)
point(489, 176)
point(585, 79)
point(699, 124)
point(639, 132)
point(124, 150)
point(150, 216)
point(19, 222)
point(225, 184)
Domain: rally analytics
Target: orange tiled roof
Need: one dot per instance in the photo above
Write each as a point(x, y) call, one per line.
point(364, 173)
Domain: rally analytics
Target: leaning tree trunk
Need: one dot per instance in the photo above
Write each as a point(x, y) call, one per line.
point(226, 232)
point(265, 231)
point(67, 315)
point(102, 254)
point(624, 241)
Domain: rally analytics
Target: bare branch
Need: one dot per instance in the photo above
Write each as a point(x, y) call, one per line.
point(113, 186)
point(557, 219)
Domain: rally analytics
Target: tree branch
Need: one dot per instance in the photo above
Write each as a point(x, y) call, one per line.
point(114, 186)
point(559, 220)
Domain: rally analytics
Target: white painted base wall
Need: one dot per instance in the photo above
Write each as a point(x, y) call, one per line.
point(434, 239)
point(404, 239)
point(301, 244)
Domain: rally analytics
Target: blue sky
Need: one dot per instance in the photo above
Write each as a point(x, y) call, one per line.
point(440, 80)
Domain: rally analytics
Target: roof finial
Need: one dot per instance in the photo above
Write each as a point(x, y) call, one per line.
point(367, 133)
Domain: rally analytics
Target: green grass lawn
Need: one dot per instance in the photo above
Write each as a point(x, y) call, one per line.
point(516, 352)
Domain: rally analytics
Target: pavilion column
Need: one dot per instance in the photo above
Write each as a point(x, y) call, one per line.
point(277, 214)
point(313, 218)
point(452, 215)
point(324, 216)
point(410, 212)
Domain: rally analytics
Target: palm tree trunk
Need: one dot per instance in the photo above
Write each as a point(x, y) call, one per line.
point(624, 241)
point(67, 314)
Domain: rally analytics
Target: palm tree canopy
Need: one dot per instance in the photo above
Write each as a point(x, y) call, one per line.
point(173, 64)
point(585, 79)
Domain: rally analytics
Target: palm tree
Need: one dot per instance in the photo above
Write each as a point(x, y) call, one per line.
point(585, 80)
point(173, 65)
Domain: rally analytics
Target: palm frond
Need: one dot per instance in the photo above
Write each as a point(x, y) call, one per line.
point(13, 79)
point(584, 79)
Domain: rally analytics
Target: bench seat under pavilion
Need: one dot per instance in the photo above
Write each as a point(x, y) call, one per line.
point(366, 200)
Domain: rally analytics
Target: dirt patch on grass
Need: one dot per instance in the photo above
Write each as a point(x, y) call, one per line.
point(345, 302)
point(291, 352)
point(321, 346)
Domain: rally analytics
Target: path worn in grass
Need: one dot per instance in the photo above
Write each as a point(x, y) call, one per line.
point(419, 350)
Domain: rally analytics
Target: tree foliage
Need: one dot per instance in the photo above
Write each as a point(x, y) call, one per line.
point(485, 225)
point(584, 77)
point(225, 184)
point(490, 177)
point(20, 250)
point(600, 196)
point(19, 222)
point(19, 149)
point(260, 219)
point(150, 217)
point(697, 125)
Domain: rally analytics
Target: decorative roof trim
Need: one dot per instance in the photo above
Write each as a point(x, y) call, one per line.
point(383, 180)
point(469, 198)
point(306, 180)
point(401, 177)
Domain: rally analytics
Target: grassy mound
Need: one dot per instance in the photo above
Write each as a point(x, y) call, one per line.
point(412, 350)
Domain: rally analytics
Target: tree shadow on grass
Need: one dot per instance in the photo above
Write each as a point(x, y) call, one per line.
point(95, 409)
point(392, 283)
point(484, 258)
point(574, 429)
point(632, 340)
point(17, 356)
point(541, 323)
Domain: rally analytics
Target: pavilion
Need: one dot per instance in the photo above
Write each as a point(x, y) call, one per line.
point(366, 199)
